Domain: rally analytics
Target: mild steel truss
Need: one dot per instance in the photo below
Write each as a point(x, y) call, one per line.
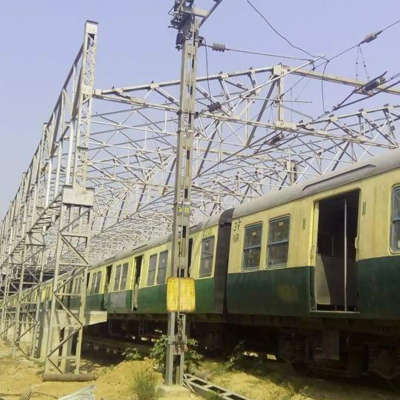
point(255, 130)
point(51, 214)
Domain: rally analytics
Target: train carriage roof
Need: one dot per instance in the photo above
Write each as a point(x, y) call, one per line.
point(384, 162)
point(377, 165)
point(209, 222)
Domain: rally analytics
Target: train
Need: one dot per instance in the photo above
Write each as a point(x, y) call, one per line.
point(309, 273)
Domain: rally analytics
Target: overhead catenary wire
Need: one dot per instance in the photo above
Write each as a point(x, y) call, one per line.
point(219, 47)
point(368, 90)
point(276, 30)
point(207, 69)
point(264, 84)
point(367, 39)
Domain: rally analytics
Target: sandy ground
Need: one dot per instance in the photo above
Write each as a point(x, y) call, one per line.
point(113, 382)
point(273, 380)
point(264, 380)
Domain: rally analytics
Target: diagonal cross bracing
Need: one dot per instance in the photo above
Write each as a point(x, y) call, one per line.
point(242, 149)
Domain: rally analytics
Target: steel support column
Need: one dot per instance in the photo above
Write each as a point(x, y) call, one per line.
point(183, 184)
point(67, 318)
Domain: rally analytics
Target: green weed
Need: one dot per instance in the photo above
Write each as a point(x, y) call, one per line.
point(159, 352)
point(132, 354)
point(145, 384)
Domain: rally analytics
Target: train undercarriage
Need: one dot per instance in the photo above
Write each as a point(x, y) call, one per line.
point(345, 347)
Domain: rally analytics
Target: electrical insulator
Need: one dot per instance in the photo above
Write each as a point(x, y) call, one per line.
point(218, 47)
point(179, 40)
point(370, 37)
point(374, 84)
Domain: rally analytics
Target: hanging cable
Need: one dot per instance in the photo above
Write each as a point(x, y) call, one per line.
point(370, 89)
point(369, 38)
point(253, 89)
point(207, 70)
point(357, 58)
point(364, 63)
point(322, 87)
point(276, 31)
point(220, 47)
point(213, 106)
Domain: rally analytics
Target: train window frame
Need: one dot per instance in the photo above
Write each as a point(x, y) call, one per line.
point(94, 280)
point(124, 276)
point(117, 277)
point(98, 281)
point(92, 283)
point(153, 270)
point(77, 289)
point(271, 244)
point(74, 285)
point(165, 267)
point(252, 268)
point(394, 219)
point(95, 287)
point(206, 274)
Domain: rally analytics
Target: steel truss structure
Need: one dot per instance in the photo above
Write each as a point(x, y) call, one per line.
point(54, 203)
point(104, 171)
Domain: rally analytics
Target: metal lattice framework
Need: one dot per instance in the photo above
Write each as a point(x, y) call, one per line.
point(255, 130)
point(241, 151)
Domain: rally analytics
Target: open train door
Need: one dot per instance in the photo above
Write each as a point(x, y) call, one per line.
point(335, 265)
point(136, 281)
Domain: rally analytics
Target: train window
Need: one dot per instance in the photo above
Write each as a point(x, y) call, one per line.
point(124, 276)
point(117, 278)
point(95, 282)
point(78, 285)
point(207, 253)
point(278, 241)
point(252, 246)
point(98, 282)
point(90, 288)
point(162, 267)
point(152, 270)
point(395, 228)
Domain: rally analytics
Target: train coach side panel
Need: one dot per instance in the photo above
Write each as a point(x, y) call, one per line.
point(285, 291)
point(378, 283)
point(378, 265)
point(152, 300)
point(118, 302)
point(265, 287)
point(205, 296)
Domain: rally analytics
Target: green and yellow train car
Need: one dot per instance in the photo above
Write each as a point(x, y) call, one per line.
point(135, 281)
point(310, 273)
point(329, 245)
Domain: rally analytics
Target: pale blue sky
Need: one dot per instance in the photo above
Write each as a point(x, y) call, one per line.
point(39, 39)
